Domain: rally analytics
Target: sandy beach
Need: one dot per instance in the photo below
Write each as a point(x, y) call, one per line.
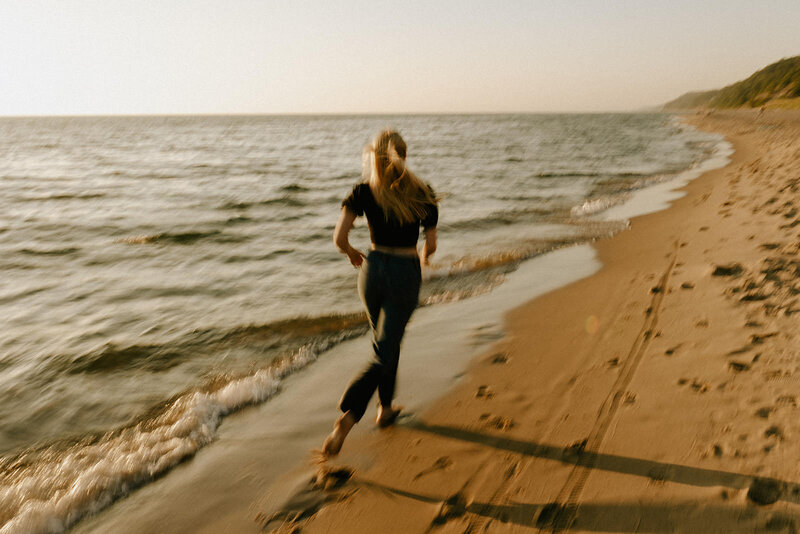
point(658, 395)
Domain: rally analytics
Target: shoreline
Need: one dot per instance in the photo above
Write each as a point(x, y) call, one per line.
point(628, 398)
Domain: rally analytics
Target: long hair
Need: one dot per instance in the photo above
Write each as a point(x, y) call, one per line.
point(396, 189)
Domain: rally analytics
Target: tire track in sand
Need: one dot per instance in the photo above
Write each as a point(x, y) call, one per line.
point(559, 515)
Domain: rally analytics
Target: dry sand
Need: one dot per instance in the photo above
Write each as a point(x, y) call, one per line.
point(659, 395)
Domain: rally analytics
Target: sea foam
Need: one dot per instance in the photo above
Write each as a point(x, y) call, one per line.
point(48, 490)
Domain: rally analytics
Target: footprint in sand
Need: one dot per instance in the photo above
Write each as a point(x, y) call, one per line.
point(729, 269)
point(776, 374)
point(499, 358)
point(740, 350)
point(453, 507)
point(575, 449)
point(484, 392)
point(698, 386)
point(774, 431)
point(497, 421)
point(323, 489)
point(440, 464)
point(738, 366)
point(764, 412)
point(757, 339)
point(486, 333)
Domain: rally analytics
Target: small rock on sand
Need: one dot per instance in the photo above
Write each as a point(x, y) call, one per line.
point(764, 491)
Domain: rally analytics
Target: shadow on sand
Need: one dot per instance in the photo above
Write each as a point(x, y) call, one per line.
point(681, 516)
point(621, 517)
point(694, 476)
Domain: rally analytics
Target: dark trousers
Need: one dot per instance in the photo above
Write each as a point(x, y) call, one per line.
point(389, 288)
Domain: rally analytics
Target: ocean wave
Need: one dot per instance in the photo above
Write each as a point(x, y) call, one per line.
point(181, 238)
point(49, 489)
point(594, 174)
point(596, 205)
point(235, 205)
point(291, 188)
point(474, 275)
point(63, 196)
point(23, 294)
point(565, 174)
point(469, 264)
point(112, 358)
point(49, 251)
point(502, 218)
point(241, 258)
point(238, 220)
point(284, 200)
point(280, 335)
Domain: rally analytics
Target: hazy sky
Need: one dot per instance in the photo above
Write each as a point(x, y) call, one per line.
point(339, 56)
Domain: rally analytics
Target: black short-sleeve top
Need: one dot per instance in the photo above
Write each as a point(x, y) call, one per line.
point(387, 231)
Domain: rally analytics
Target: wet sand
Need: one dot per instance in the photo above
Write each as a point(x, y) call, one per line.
point(659, 394)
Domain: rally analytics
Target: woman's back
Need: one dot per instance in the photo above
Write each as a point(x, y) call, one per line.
point(385, 229)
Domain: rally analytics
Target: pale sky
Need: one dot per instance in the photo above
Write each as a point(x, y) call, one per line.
point(64, 57)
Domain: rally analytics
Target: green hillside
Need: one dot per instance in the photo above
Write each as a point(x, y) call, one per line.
point(777, 85)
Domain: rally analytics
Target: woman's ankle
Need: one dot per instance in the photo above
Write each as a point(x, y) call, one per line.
point(386, 410)
point(335, 440)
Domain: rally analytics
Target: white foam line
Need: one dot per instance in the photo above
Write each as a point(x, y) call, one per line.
point(659, 196)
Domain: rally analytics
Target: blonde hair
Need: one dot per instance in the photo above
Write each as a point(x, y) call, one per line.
point(397, 190)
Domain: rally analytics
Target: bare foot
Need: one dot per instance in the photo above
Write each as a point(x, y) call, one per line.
point(387, 416)
point(333, 443)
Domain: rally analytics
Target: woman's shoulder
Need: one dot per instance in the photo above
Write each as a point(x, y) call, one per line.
point(361, 187)
point(363, 192)
point(359, 198)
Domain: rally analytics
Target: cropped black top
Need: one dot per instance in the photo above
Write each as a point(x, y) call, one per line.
point(387, 232)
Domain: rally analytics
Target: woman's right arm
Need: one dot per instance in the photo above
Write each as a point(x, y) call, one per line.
point(340, 237)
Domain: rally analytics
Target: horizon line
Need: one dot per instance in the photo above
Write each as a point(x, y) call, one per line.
point(323, 114)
